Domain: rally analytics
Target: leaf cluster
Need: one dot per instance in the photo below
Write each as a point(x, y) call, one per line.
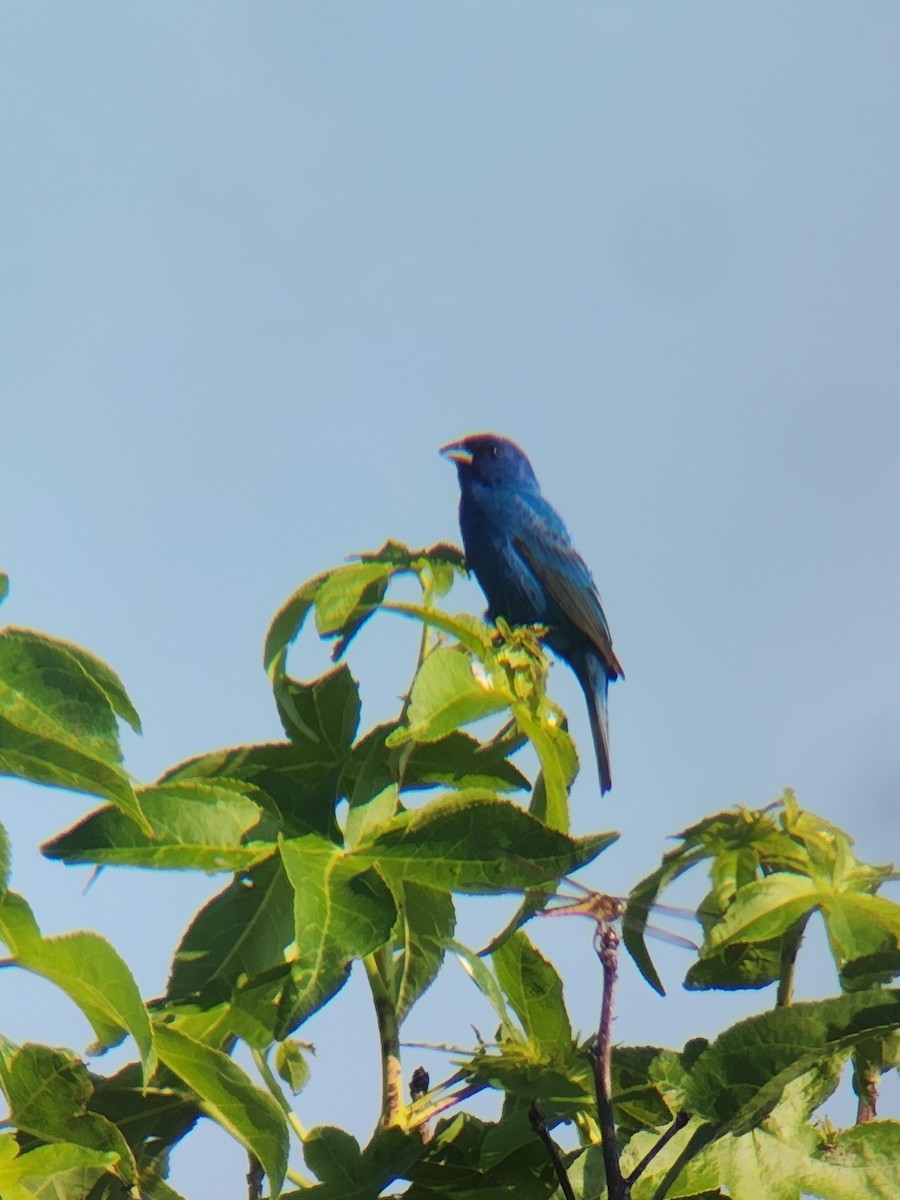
point(340, 845)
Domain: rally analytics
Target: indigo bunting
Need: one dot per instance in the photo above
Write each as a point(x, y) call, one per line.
point(531, 574)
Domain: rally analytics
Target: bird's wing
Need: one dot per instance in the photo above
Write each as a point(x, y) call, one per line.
point(547, 551)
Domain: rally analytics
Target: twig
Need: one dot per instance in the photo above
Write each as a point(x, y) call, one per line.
point(677, 1125)
point(539, 1125)
point(606, 943)
point(435, 1110)
point(254, 1179)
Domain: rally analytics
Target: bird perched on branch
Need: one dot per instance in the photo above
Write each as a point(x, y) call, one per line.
point(531, 574)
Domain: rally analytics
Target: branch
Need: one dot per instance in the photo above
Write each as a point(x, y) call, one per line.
point(539, 1125)
point(677, 1125)
point(606, 943)
point(377, 968)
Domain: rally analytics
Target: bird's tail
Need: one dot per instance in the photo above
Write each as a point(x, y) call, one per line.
point(594, 681)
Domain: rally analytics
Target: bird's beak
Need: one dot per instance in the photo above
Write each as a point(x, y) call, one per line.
point(458, 453)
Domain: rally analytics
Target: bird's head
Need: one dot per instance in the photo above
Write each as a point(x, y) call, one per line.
point(490, 460)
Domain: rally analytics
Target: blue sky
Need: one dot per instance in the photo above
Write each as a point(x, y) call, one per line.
point(260, 260)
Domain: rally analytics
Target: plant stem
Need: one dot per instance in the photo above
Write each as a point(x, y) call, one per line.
point(268, 1076)
point(677, 1125)
point(790, 948)
point(606, 944)
point(539, 1125)
point(378, 968)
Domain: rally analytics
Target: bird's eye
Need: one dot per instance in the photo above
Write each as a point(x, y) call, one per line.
point(494, 451)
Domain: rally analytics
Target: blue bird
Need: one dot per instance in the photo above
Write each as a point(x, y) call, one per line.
point(523, 557)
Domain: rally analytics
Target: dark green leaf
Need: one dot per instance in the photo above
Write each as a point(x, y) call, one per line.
point(238, 935)
point(320, 717)
point(348, 1173)
point(473, 841)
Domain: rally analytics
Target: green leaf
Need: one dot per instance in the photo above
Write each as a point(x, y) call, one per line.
point(240, 934)
point(342, 911)
point(348, 1173)
point(486, 982)
point(57, 724)
point(473, 841)
point(320, 717)
point(450, 689)
point(303, 795)
point(291, 1064)
point(48, 1092)
point(345, 594)
point(63, 1170)
point(426, 919)
point(105, 678)
point(470, 1159)
point(535, 991)
point(743, 1073)
point(195, 826)
point(229, 1097)
point(4, 586)
point(87, 968)
point(461, 761)
point(152, 1118)
point(765, 909)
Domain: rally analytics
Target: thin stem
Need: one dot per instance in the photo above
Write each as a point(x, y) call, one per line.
point(255, 1179)
point(790, 948)
point(268, 1075)
point(539, 1126)
point(378, 967)
point(419, 1117)
point(677, 1125)
point(606, 943)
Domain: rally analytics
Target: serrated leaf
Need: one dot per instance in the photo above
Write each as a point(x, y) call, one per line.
point(48, 1092)
point(63, 1170)
point(303, 795)
point(57, 725)
point(241, 933)
point(195, 826)
point(87, 968)
point(342, 911)
point(743, 1073)
point(450, 690)
point(534, 989)
point(345, 592)
point(426, 919)
point(105, 678)
point(320, 717)
point(230, 1098)
point(474, 841)
point(348, 1173)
